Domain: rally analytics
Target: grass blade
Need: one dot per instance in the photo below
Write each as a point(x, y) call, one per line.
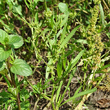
point(102, 15)
point(58, 91)
point(62, 97)
point(80, 94)
point(65, 41)
point(73, 63)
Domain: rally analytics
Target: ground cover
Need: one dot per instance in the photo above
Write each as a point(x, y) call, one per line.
point(54, 54)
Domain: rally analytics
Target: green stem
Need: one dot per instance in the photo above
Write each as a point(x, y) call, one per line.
point(18, 96)
point(45, 5)
point(13, 84)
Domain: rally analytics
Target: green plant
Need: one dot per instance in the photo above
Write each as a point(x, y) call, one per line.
point(11, 66)
point(62, 42)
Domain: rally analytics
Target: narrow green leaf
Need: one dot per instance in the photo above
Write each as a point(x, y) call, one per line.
point(80, 94)
point(58, 91)
point(64, 21)
point(64, 62)
point(73, 62)
point(20, 67)
point(69, 37)
point(59, 67)
point(6, 26)
point(102, 15)
point(102, 68)
point(7, 81)
point(82, 41)
point(76, 92)
point(36, 18)
point(62, 96)
point(77, 58)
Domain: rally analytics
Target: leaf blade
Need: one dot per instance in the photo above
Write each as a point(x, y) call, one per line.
point(69, 36)
point(20, 67)
point(4, 54)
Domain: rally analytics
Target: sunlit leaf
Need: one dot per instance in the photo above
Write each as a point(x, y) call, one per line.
point(4, 38)
point(63, 7)
point(17, 41)
point(20, 67)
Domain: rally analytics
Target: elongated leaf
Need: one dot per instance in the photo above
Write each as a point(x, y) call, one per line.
point(102, 68)
point(3, 37)
point(76, 92)
point(64, 62)
point(4, 54)
point(62, 96)
point(65, 41)
point(80, 94)
point(20, 67)
point(59, 68)
point(64, 21)
point(77, 58)
point(73, 62)
point(102, 15)
point(82, 41)
point(58, 91)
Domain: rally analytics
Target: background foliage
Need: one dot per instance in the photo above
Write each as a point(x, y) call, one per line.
point(47, 46)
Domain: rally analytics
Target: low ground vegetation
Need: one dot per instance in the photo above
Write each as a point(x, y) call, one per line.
point(54, 54)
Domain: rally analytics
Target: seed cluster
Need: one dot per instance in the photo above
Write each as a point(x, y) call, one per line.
point(93, 38)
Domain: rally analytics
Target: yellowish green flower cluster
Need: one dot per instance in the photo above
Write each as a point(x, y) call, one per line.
point(48, 14)
point(93, 38)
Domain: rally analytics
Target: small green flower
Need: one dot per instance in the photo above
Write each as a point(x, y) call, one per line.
point(48, 14)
